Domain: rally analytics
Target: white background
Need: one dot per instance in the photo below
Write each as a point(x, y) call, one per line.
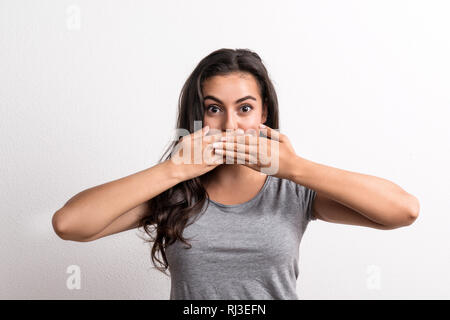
point(88, 94)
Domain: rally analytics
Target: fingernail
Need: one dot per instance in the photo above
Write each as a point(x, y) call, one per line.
point(262, 126)
point(216, 144)
point(223, 139)
point(240, 131)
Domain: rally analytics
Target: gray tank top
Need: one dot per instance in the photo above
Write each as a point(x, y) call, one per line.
point(247, 251)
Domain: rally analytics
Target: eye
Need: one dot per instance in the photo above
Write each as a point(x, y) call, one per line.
point(247, 106)
point(211, 106)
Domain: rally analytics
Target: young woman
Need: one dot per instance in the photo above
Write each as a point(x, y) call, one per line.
point(242, 227)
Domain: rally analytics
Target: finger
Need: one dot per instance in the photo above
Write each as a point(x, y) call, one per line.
point(212, 138)
point(201, 132)
point(232, 146)
point(232, 157)
point(242, 139)
point(217, 135)
point(233, 133)
point(214, 159)
point(269, 132)
point(248, 144)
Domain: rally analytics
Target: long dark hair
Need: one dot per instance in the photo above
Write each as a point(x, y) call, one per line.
point(170, 211)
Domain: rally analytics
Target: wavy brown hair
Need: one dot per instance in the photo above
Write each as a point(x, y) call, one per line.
point(170, 211)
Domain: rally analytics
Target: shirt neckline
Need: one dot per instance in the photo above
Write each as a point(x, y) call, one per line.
point(246, 203)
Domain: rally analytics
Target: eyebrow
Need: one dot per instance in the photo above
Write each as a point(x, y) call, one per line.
point(237, 101)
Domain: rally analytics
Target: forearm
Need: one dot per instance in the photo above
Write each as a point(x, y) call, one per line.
point(378, 199)
point(91, 210)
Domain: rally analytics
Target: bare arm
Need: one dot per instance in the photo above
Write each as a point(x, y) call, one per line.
point(382, 203)
point(118, 205)
point(114, 206)
point(127, 221)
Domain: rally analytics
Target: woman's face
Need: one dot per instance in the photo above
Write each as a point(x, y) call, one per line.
point(233, 101)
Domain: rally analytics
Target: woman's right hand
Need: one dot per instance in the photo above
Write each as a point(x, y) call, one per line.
point(194, 154)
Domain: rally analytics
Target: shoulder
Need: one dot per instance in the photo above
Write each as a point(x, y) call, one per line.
point(290, 191)
point(281, 183)
point(285, 187)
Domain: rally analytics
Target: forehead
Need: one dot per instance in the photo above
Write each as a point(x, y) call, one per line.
point(233, 85)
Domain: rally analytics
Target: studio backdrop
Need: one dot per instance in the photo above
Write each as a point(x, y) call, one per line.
point(89, 93)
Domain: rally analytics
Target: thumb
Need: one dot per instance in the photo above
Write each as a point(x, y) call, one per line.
point(200, 132)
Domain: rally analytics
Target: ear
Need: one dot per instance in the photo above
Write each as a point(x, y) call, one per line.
point(264, 114)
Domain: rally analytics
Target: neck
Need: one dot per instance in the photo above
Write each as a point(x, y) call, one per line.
point(229, 175)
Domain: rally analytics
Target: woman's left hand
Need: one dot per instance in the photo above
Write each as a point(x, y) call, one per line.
point(272, 154)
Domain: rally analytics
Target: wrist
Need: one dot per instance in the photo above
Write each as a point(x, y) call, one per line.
point(174, 171)
point(296, 168)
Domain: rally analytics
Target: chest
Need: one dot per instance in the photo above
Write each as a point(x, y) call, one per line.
point(236, 194)
point(247, 244)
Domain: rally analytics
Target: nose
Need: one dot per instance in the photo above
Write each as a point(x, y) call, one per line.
point(230, 122)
